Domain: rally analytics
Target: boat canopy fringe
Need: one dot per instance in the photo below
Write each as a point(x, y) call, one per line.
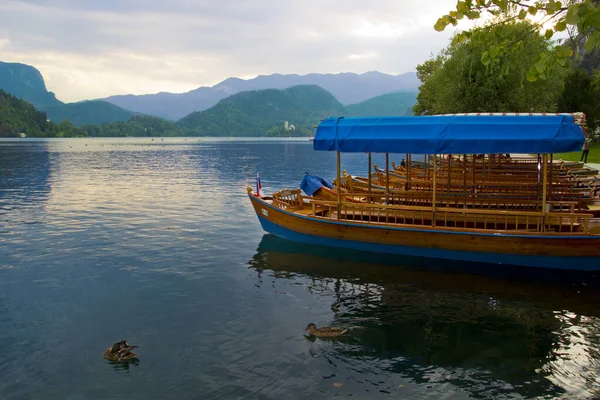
point(451, 134)
point(311, 183)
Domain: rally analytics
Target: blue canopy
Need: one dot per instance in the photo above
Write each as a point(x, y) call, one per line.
point(451, 134)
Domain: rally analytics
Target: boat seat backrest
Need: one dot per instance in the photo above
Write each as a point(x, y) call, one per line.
point(347, 183)
point(289, 199)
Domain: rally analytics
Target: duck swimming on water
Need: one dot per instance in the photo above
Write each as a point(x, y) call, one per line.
point(120, 351)
point(325, 331)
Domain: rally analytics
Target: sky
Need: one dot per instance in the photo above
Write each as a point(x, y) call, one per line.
point(88, 49)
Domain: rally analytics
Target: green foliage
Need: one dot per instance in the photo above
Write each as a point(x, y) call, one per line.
point(20, 117)
point(590, 61)
point(263, 112)
point(397, 103)
point(257, 113)
point(458, 81)
point(88, 113)
point(138, 125)
point(579, 18)
point(582, 93)
point(254, 113)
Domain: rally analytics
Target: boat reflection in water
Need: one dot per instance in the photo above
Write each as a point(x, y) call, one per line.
point(489, 335)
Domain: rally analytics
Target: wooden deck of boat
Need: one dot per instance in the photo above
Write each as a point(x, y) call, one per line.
point(487, 198)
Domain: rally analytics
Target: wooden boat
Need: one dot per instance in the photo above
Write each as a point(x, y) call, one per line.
point(533, 235)
point(359, 184)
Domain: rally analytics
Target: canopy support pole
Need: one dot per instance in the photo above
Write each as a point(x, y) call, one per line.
point(387, 177)
point(408, 169)
point(339, 186)
point(369, 176)
point(449, 169)
point(539, 181)
point(465, 178)
point(434, 190)
point(544, 192)
point(473, 178)
point(551, 176)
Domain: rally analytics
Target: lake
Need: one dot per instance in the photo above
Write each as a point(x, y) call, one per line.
point(155, 242)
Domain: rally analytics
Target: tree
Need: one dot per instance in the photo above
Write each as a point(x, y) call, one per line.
point(7, 130)
point(457, 81)
point(581, 93)
point(579, 19)
point(65, 128)
point(426, 73)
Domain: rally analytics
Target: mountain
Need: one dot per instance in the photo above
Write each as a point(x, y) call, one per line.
point(397, 103)
point(93, 112)
point(253, 113)
point(233, 107)
point(348, 88)
point(27, 83)
point(19, 117)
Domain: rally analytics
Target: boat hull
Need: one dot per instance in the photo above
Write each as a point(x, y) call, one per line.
point(580, 253)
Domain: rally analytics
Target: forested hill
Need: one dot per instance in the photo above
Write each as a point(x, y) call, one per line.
point(138, 125)
point(348, 88)
point(264, 112)
point(93, 112)
point(254, 113)
point(392, 104)
point(18, 116)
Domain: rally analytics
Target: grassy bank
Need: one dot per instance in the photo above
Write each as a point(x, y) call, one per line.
point(593, 157)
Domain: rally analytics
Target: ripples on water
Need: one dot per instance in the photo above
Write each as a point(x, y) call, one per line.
point(156, 242)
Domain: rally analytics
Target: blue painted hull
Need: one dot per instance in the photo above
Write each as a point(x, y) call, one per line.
point(553, 262)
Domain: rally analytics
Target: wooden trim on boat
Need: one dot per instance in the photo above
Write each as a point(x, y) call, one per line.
point(387, 236)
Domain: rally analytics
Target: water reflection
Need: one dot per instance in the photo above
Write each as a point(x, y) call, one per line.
point(25, 183)
point(162, 233)
point(491, 336)
point(124, 365)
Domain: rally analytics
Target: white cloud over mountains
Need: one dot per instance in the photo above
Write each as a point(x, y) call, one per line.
point(90, 48)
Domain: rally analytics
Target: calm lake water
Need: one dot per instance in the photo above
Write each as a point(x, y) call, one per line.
point(156, 242)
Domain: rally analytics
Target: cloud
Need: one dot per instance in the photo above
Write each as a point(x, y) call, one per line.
point(89, 49)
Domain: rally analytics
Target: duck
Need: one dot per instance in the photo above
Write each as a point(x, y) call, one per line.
point(325, 331)
point(120, 351)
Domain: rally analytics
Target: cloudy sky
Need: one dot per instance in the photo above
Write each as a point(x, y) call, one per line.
point(95, 48)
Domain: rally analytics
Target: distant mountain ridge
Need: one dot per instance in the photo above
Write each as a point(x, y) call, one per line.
point(264, 112)
point(347, 88)
point(253, 113)
point(392, 104)
point(248, 111)
point(93, 112)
